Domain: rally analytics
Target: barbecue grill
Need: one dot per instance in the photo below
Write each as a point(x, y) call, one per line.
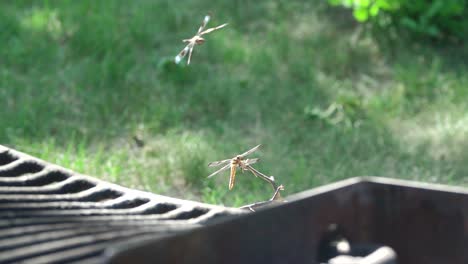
point(49, 214)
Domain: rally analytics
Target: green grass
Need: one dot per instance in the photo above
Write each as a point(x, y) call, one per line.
point(79, 80)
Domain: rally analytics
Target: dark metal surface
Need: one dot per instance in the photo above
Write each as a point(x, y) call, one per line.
point(422, 223)
point(49, 214)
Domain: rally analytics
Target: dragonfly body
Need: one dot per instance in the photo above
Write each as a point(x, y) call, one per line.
point(195, 39)
point(232, 178)
point(233, 164)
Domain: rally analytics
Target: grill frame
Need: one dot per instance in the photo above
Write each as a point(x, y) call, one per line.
point(423, 223)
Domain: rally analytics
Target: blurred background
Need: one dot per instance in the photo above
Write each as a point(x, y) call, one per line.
point(332, 89)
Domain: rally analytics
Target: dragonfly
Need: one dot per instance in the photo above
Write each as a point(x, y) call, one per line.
point(196, 40)
point(233, 164)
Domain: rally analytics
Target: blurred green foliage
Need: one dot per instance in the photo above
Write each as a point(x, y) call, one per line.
point(436, 18)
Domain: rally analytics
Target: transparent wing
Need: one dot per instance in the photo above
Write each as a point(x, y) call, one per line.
point(219, 162)
point(220, 170)
point(250, 161)
point(190, 55)
point(203, 25)
point(182, 53)
point(212, 29)
point(250, 151)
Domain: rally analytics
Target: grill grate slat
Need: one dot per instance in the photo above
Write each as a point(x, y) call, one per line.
point(49, 214)
point(44, 177)
point(94, 194)
point(45, 246)
point(20, 167)
point(86, 254)
point(118, 203)
point(6, 157)
point(70, 185)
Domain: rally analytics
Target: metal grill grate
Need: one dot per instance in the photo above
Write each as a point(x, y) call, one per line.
point(50, 214)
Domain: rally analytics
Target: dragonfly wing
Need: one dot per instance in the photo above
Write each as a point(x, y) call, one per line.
point(250, 151)
point(232, 177)
point(251, 169)
point(190, 55)
point(220, 170)
point(251, 161)
point(182, 53)
point(212, 29)
point(203, 25)
point(217, 163)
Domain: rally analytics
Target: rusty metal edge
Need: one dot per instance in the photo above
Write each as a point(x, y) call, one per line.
point(378, 180)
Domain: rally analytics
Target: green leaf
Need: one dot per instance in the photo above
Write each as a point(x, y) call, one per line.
point(361, 14)
point(363, 3)
point(409, 23)
point(374, 10)
point(433, 9)
point(433, 31)
point(335, 2)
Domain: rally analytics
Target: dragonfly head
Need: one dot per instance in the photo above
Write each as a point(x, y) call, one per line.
point(237, 159)
point(200, 41)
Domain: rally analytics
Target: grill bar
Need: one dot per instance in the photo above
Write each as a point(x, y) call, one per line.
point(95, 194)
